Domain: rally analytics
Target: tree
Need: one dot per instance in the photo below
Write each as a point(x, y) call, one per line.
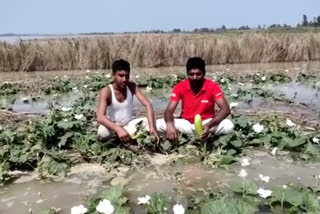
point(304, 20)
point(176, 30)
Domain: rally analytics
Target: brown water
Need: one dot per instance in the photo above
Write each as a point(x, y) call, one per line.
point(177, 181)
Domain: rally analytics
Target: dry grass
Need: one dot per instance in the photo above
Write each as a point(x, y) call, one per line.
point(148, 50)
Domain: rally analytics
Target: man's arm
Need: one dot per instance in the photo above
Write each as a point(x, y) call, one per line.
point(168, 117)
point(104, 95)
point(148, 107)
point(221, 115)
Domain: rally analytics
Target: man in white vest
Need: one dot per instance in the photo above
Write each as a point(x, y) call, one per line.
point(114, 112)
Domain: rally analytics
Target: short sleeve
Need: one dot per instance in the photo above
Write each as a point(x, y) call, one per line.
point(175, 94)
point(217, 92)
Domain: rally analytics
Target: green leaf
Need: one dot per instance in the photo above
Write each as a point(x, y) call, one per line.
point(236, 143)
point(310, 202)
point(158, 204)
point(50, 166)
point(48, 211)
point(245, 186)
point(222, 206)
point(114, 194)
point(291, 194)
point(312, 149)
point(64, 139)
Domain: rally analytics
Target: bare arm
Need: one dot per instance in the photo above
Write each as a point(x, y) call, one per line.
point(104, 95)
point(148, 107)
point(222, 113)
point(168, 117)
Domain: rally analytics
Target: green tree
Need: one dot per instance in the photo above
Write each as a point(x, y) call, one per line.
point(304, 20)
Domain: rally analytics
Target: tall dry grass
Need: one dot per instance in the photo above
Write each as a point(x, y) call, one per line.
point(154, 50)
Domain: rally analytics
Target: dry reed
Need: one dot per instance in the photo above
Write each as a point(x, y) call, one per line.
point(155, 50)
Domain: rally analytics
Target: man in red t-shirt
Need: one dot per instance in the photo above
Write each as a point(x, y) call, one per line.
point(199, 96)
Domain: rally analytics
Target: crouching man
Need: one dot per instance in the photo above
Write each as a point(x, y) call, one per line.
point(114, 111)
point(198, 96)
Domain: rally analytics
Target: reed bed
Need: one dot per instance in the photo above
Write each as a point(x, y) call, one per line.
point(156, 50)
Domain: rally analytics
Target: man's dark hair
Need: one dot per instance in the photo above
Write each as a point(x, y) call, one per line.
point(196, 62)
point(120, 65)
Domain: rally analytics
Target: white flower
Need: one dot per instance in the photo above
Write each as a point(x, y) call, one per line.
point(24, 99)
point(264, 193)
point(284, 186)
point(137, 76)
point(78, 116)
point(227, 69)
point(56, 77)
point(286, 70)
point(75, 89)
point(175, 76)
point(88, 71)
point(264, 178)
point(66, 108)
point(232, 105)
point(234, 95)
point(178, 209)
point(263, 78)
point(105, 207)
point(257, 128)
point(65, 120)
point(274, 151)
point(290, 123)
point(315, 140)
point(148, 89)
point(222, 80)
point(245, 162)
point(65, 76)
point(144, 200)
point(243, 173)
point(108, 75)
point(240, 83)
point(79, 210)
point(85, 86)
point(258, 74)
point(55, 95)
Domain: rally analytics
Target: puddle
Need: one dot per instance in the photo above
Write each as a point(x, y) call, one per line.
point(177, 181)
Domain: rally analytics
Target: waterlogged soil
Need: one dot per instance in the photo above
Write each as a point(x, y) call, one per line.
point(178, 181)
point(306, 101)
point(165, 174)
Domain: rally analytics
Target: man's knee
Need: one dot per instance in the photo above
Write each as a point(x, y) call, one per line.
point(103, 132)
point(227, 126)
point(161, 125)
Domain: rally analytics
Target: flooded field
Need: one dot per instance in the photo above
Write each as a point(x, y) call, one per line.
point(186, 174)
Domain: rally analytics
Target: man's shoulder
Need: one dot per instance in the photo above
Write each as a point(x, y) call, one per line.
point(181, 84)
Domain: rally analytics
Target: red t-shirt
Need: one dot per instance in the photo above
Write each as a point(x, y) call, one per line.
point(201, 103)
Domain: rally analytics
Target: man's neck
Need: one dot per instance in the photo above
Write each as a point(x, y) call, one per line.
point(116, 87)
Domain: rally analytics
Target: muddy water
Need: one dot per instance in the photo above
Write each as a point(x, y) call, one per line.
point(305, 97)
point(178, 181)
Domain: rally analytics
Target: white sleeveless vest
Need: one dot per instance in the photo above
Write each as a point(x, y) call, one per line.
point(120, 113)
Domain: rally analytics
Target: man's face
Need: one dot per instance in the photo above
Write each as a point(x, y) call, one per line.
point(121, 78)
point(195, 77)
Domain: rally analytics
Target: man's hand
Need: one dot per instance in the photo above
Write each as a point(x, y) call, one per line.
point(123, 135)
point(154, 132)
point(172, 133)
point(206, 131)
